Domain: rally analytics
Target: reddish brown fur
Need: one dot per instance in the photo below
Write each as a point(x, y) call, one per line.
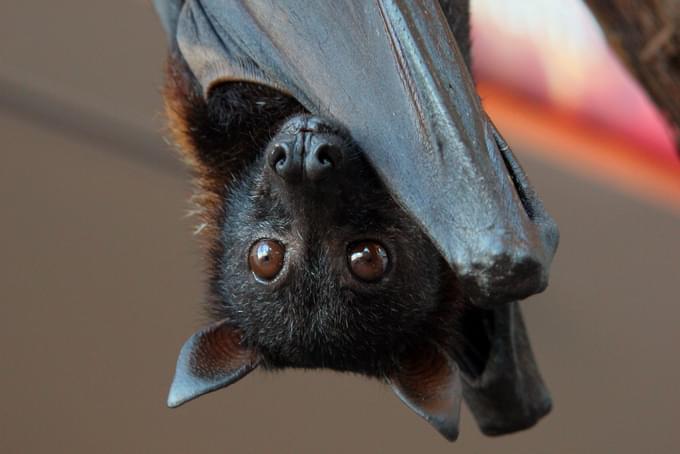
point(183, 103)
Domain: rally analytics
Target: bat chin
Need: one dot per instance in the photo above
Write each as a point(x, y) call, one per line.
point(374, 361)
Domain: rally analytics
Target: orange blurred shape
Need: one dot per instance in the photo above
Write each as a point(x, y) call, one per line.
point(551, 82)
point(574, 143)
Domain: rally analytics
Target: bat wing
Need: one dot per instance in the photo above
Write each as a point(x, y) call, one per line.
point(506, 393)
point(392, 73)
point(168, 12)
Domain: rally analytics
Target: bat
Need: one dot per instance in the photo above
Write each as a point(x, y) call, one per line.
point(361, 212)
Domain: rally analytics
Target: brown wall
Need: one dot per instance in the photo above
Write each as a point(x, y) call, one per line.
point(100, 283)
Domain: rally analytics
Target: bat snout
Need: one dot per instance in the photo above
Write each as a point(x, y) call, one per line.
point(307, 150)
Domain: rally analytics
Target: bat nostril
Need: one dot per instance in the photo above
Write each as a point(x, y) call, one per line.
point(278, 156)
point(322, 161)
point(326, 156)
point(283, 159)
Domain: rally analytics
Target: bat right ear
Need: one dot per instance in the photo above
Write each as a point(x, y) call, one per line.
point(212, 358)
point(429, 383)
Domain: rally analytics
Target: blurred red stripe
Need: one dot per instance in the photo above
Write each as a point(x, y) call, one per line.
point(575, 143)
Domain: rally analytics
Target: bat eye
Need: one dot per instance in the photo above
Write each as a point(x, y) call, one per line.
point(368, 260)
point(266, 258)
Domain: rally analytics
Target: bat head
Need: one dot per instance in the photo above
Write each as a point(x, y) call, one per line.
point(313, 264)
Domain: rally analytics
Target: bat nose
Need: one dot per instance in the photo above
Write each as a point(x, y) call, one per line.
point(307, 149)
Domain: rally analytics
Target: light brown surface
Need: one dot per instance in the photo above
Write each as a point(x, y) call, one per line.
point(100, 283)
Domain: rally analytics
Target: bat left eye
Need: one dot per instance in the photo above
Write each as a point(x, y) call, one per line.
point(266, 259)
point(368, 260)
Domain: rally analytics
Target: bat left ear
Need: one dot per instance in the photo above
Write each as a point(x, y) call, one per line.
point(429, 383)
point(212, 358)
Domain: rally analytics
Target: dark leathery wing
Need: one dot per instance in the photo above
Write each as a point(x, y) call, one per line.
point(423, 129)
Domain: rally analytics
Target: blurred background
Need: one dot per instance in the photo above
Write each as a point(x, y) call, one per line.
point(101, 282)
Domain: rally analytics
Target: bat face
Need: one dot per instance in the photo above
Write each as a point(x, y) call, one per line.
point(318, 266)
point(312, 262)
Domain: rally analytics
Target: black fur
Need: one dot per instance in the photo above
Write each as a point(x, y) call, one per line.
point(316, 314)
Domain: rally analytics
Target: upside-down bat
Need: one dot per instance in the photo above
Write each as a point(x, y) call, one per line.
point(361, 211)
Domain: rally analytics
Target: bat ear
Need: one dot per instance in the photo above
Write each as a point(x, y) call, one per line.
point(211, 359)
point(429, 384)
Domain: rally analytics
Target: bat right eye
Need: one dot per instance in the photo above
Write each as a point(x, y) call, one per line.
point(266, 259)
point(368, 260)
